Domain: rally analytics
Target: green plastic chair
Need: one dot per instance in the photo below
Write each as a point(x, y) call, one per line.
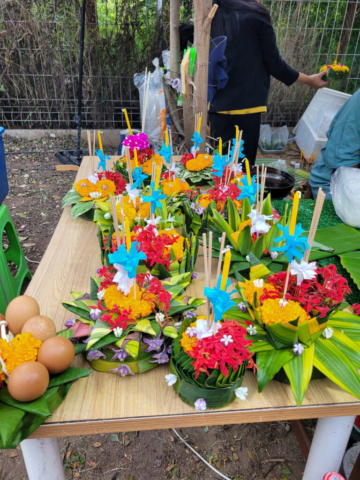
point(10, 285)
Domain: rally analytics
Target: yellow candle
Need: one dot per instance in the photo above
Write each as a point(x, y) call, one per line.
point(136, 158)
point(226, 268)
point(127, 121)
point(236, 132)
point(128, 235)
point(100, 142)
point(199, 124)
point(247, 166)
point(158, 172)
point(294, 212)
point(220, 146)
point(167, 138)
point(302, 154)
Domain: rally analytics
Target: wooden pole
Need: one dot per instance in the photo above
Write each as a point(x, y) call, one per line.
point(115, 220)
point(203, 19)
point(174, 39)
point(315, 221)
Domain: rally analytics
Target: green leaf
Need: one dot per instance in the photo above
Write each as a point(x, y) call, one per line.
point(347, 323)
point(70, 198)
point(347, 346)
point(269, 363)
point(299, 371)
point(114, 437)
point(145, 327)
point(80, 208)
point(351, 262)
point(259, 246)
point(233, 215)
point(334, 364)
point(101, 329)
point(245, 241)
point(283, 334)
point(37, 407)
point(71, 374)
point(273, 233)
point(341, 238)
point(246, 210)
point(223, 226)
point(266, 206)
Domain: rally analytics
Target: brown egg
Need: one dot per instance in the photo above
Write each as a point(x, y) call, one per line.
point(19, 311)
point(41, 327)
point(28, 381)
point(56, 354)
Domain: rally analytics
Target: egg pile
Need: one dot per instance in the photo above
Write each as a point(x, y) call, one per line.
point(30, 379)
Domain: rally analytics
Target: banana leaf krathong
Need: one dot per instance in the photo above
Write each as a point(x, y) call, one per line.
point(328, 343)
point(202, 174)
point(103, 338)
point(18, 420)
point(216, 389)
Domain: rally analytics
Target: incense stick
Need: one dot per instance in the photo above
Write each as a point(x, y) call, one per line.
point(93, 160)
point(206, 280)
point(222, 246)
point(257, 190)
point(286, 281)
point(263, 178)
point(210, 256)
point(315, 221)
point(115, 220)
point(128, 163)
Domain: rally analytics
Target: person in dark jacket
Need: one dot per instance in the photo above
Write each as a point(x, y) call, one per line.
point(252, 56)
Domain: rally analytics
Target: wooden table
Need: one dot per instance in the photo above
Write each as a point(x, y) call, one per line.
point(103, 403)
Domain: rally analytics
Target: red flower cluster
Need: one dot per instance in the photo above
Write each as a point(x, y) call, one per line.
point(144, 155)
point(115, 177)
point(220, 193)
point(213, 353)
point(117, 318)
point(356, 308)
point(186, 157)
point(320, 294)
point(162, 296)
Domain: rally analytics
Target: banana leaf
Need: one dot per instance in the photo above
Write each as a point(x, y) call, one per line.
point(233, 215)
point(299, 371)
point(283, 335)
point(70, 198)
point(269, 363)
point(347, 323)
point(351, 262)
point(18, 420)
point(245, 241)
point(81, 208)
point(245, 209)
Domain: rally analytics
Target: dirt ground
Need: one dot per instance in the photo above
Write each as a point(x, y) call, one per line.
point(264, 451)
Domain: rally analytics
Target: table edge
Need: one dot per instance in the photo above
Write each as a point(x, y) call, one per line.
point(160, 422)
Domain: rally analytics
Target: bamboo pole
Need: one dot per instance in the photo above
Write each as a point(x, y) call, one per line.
point(115, 220)
point(222, 246)
point(206, 265)
point(314, 223)
point(93, 160)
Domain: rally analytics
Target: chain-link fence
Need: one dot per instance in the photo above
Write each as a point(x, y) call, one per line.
point(39, 56)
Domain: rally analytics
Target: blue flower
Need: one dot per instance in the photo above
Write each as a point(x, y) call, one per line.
point(155, 344)
point(219, 164)
point(197, 140)
point(241, 149)
point(165, 152)
point(138, 177)
point(248, 191)
point(103, 158)
point(129, 260)
point(294, 245)
point(220, 298)
point(154, 198)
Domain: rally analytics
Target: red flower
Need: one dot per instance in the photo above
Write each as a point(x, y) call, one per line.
point(356, 308)
point(117, 318)
point(115, 177)
point(186, 157)
point(215, 353)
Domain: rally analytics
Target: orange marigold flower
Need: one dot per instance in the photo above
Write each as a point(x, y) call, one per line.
point(130, 212)
point(141, 307)
point(272, 312)
point(23, 348)
point(199, 163)
point(188, 343)
point(255, 286)
point(105, 187)
point(242, 225)
point(84, 187)
point(147, 166)
point(178, 246)
point(174, 187)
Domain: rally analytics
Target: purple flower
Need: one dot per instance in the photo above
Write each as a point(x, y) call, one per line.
point(83, 184)
point(69, 323)
point(154, 344)
point(122, 370)
point(190, 314)
point(242, 307)
point(95, 355)
point(191, 332)
point(86, 296)
point(194, 276)
point(182, 180)
point(274, 255)
point(200, 405)
point(119, 355)
point(95, 313)
point(86, 340)
point(104, 187)
point(193, 206)
point(200, 210)
point(161, 357)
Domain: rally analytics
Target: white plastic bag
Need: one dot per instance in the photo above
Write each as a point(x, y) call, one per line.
point(273, 139)
point(344, 188)
point(155, 119)
point(279, 165)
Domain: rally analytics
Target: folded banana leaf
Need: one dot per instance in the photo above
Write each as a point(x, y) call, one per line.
point(18, 420)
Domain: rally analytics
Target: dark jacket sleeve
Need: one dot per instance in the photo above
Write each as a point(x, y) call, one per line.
point(275, 65)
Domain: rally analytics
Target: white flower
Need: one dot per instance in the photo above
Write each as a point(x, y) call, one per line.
point(274, 255)
point(200, 405)
point(118, 332)
point(171, 379)
point(328, 333)
point(101, 294)
point(241, 393)
point(282, 303)
point(237, 168)
point(170, 219)
point(226, 339)
point(160, 317)
point(226, 249)
point(251, 329)
point(153, 222)
point(247, 258)
point(107, 216)
point(259, 283)
point(304, 270)
point(174, 169)
point(93, 178)
point(122, 279)
point(133, 194)
point(258, 222)
point(298, 349)
point(191, 332)
point(95, 195)
point(202, 330)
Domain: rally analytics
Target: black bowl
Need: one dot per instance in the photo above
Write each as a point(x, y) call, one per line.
point(278, 183)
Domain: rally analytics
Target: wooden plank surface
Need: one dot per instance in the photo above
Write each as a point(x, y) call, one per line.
point(106, 403)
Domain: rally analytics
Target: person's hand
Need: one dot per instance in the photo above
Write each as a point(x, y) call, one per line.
point(316, 80)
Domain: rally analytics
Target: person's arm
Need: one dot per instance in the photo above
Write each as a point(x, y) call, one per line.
point(313, 81)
